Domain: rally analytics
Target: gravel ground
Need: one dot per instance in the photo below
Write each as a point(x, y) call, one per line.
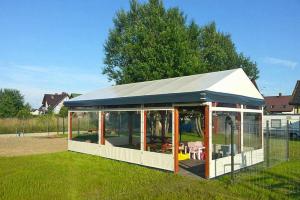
point(16, 146)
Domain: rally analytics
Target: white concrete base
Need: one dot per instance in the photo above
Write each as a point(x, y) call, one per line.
point(223, 165)
point(145, 158)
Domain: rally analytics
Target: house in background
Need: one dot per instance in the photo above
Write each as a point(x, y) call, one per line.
point(279, 104)
point(295, 99)
point(53, 101)
point(35, 112)
point(73, 95)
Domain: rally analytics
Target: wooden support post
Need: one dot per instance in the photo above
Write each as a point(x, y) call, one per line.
point(145, 130)
point(176, 137)
point(102, 124)
point(206, 140)
point(70, 125)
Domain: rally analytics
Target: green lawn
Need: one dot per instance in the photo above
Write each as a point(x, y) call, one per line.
point(70, 175)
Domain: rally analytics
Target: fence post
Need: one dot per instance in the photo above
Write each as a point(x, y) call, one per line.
point(268, 144)
point(63, 125)
point(57, 125)
point(287, 140)
point(232, 150)
point(78, 128)
point(299, 126)
point(48, 126)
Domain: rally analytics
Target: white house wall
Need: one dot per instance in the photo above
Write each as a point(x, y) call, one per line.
point(60, 105)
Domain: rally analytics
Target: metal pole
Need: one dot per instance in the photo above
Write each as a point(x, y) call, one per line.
point(287, 140)
point(63, 125)
point(48, 125)
point(232, 150)
point(78, 128)
point(268, 144)
point(57, 128)
point(299, 127)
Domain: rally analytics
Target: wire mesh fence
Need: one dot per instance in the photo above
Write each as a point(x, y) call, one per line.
point(280, 169)
point(39, 124)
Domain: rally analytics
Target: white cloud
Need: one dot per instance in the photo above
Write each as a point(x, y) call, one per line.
point(32, 68)
point(281, 62)
point(35, 81)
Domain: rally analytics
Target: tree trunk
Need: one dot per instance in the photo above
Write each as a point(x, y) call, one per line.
point(130, 129)
point(63, 125)
point(199, 125)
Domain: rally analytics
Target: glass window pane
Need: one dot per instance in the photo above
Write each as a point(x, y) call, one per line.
point(159, 131)
point(275, 123)
point(252, 137)
point(123, 129)
point(85, 126)
point(221, 133)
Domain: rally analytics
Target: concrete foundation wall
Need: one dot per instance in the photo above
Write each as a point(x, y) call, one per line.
point(145, 158)
point(223, 165)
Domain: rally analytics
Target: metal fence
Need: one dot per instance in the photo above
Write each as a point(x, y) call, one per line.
point(33, 125)
point(281, 155)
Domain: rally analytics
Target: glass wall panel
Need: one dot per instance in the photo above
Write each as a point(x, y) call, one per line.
point(159, 131)
point(221, 133)
point(85, 126)
point(252, 137)
point(123, 129)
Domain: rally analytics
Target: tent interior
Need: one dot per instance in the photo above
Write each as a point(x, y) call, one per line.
point(192, 152)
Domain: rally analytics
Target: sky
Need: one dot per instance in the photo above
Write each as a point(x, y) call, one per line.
point(57, 45)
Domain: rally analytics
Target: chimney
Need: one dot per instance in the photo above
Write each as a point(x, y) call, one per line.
point(280, 94)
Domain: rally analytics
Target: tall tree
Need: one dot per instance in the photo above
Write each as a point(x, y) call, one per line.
point(150, 42)
point(218, 52)
point(11, 102)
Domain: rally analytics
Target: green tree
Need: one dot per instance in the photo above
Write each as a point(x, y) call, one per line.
point(150, 42)
point(47, 118)
point(11, 102)
point(218, 52)
point(23, 115)
point(63, 113)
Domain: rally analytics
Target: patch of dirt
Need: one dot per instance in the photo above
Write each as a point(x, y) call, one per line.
point(16, 146)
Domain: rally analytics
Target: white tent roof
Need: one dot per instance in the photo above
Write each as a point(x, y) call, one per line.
point(230, 82)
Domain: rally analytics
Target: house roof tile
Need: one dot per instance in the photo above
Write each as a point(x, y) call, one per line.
point(53, 99)
point(278, 103)
point(295, 99)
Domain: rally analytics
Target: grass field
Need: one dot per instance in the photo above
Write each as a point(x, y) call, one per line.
point(70, 175)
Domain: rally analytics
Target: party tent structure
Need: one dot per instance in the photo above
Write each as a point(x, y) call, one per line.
point(193, 123)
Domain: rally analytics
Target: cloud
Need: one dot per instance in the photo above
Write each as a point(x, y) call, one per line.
point(33, 68)
point(281, 62)
point(35, 81)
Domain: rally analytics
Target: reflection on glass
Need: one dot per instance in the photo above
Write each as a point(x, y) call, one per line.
point(221, 133)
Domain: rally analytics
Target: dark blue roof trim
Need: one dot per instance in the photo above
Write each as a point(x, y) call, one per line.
point(168, 98)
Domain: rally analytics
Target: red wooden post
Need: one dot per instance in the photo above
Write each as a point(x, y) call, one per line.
point(145, 130)
point(176, 145)
point(102, 124)
point(206, 140)
point(70, 126)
